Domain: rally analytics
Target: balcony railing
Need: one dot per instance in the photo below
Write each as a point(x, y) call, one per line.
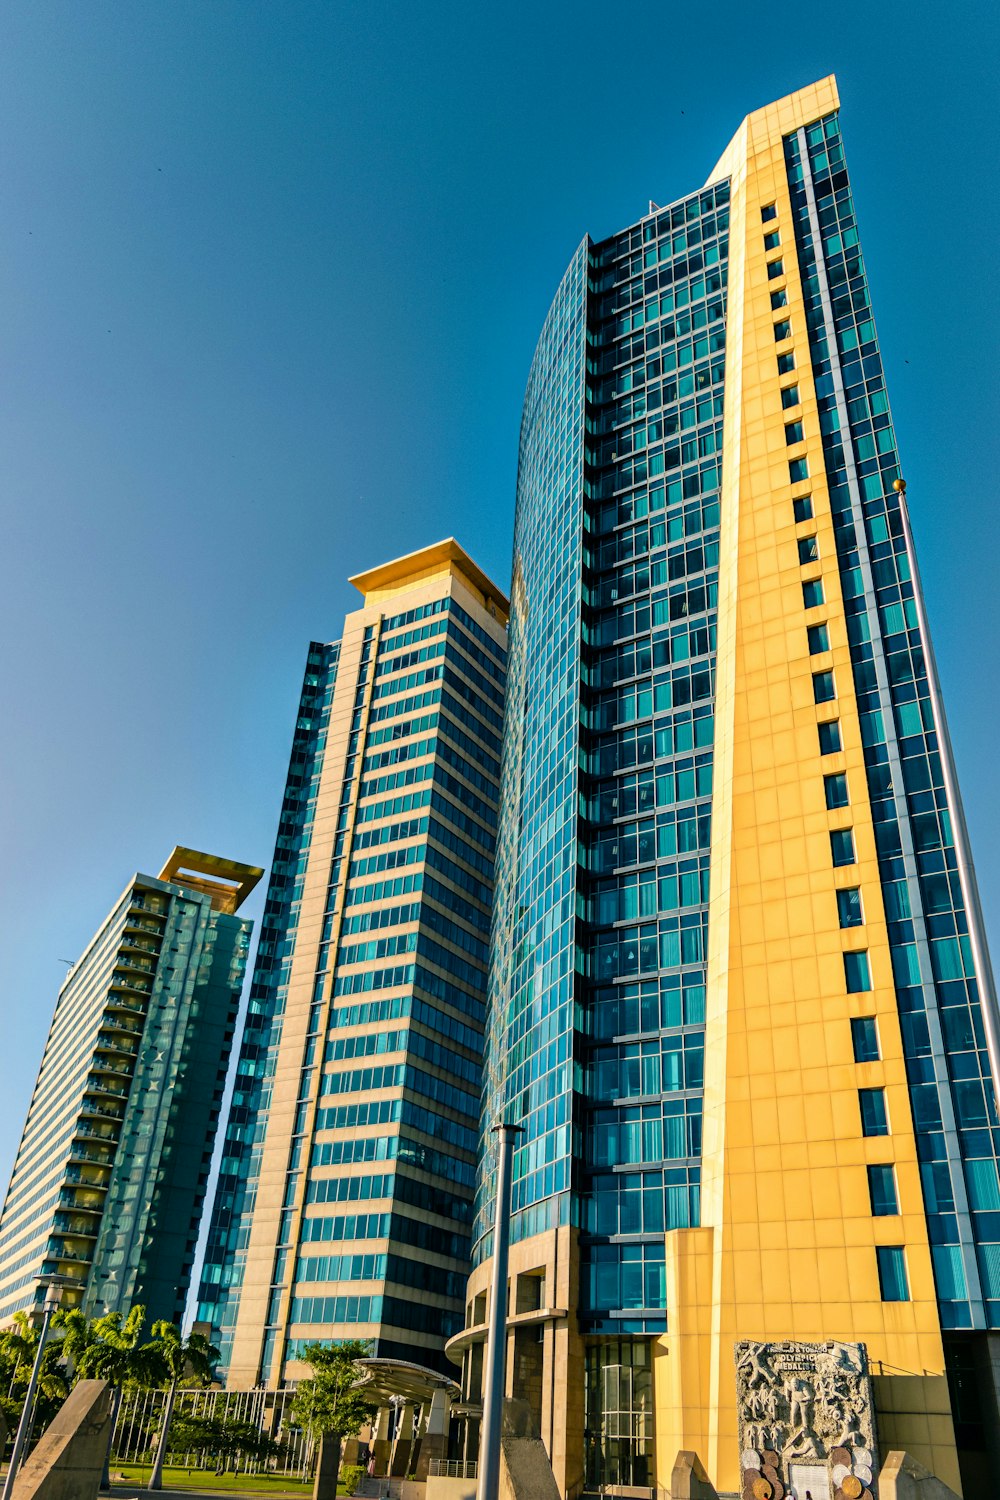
point(453, 1468)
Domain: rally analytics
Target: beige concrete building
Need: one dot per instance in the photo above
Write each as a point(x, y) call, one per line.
point(359, 1146)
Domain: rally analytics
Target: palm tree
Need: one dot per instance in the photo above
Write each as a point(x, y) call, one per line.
point(191, 1360)
point(107, 1348)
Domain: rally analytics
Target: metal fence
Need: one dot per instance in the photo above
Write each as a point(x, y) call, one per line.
point(140, 1415)
point(454, 1468)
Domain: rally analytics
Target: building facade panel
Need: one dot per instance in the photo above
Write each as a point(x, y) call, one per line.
point(363, 1190)
point(110, 1176)
point(780, 1110)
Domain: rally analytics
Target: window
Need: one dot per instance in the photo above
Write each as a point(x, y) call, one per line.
point(842, 847)
point(850, 912)
point(829, 737)
point(790, 396)
point(798, 469)
point(808, 550)
point(782, 330)
point(819, 640)
point(824, 691)
point(864, 1039)
point(779, 299)
point(882, 1187)
point(812, 592)
point(772, 240)
point(802, 508)
point(794, 432)
point(786, 363)
point(857, 973)
point(775, 268)
point(768, 212)
point(892, 1273)
point(874, 1117)
point(835, 788)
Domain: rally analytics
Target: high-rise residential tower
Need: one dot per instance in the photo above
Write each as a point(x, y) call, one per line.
point(345, 1200)
point(110, 1175)
point(740, 1000)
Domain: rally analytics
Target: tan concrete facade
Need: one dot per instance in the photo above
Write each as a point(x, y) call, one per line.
point(412, 584)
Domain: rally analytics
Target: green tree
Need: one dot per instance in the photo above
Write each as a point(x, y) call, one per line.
point(18, 1345)
point(108, 1348)
point(189, 1360)
point(332, 1405)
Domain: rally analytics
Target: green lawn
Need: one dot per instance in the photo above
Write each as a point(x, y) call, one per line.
point(206, 1479)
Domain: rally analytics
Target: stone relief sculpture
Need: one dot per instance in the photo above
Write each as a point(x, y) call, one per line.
point(804, 1404)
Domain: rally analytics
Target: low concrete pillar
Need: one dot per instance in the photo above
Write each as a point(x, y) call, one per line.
point(688, 1480)
point(68, 1462)
point(902, 1478)
point(327, 1467)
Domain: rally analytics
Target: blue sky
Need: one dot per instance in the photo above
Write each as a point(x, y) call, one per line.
point(270, 282)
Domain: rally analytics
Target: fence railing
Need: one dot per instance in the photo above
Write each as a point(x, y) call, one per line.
point(141, 1412)
point(453, 1468)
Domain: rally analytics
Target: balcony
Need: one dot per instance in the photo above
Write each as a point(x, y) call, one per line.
point(77, 1228)
point(102, 1088)
point(91, 1107)
point(91, 1204)
point(84, 1131)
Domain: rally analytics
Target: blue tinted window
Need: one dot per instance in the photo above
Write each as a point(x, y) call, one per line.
point(864, 1038)
point(824, 691)
point(892, 1273)
point(819, 640)
point(808, 549)
point(772, 241)
point(829, 737)
point(812, 592)
point(803, 508)
point(857, 972)
point(849, 910)
point(794, 432)
point(786, 364)
point(874, 1116)
point(882, 1187)
point(768, 212)
point(835, 787)
point(842, 846)
point(798, 469)
point(775, 268)
point(782, 330)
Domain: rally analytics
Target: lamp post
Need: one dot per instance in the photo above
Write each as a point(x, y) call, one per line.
point(53, 1296)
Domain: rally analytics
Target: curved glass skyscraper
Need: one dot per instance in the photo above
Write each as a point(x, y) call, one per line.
point(740, 1001)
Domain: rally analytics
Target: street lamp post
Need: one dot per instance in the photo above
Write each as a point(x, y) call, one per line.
point(53, 1296)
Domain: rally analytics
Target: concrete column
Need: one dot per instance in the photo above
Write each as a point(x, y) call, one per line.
point(382, 1440)
point(434, 1439)
point(399, 1461)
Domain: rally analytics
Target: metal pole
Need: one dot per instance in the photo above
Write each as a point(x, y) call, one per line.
point(496, 1345)
point(963, 849)
point(24, 1426)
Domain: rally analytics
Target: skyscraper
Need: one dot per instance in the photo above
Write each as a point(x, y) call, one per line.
point(110, 1175)
point(345, 1200)
point(740, 1000)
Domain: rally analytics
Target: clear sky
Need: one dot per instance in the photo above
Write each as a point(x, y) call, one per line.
point(270, 280)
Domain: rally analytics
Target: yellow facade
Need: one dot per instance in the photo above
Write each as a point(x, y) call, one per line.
point(787, 1244)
